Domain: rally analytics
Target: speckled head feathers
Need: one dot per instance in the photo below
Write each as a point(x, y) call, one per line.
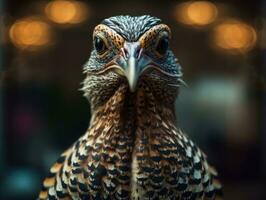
point(131, 28)
point(131, 51)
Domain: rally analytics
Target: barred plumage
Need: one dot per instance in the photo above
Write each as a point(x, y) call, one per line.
point(132, 149)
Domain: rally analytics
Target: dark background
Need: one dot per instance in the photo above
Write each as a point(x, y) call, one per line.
point(42, 111)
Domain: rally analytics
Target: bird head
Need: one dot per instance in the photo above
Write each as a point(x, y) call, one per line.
point(131, 51)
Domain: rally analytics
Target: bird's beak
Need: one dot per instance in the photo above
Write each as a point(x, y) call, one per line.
point(131, 62)
point(132, 73)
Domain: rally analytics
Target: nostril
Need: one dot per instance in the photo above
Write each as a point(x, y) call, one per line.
point(125, 52)
point(138, 53)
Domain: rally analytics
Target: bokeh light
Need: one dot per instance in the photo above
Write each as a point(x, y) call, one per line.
point(196, 13)
point(30, 33)
point(263, 34)
point(234, 35)
point(66, 12)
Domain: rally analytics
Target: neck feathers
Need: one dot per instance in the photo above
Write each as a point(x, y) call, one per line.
point(140, 109)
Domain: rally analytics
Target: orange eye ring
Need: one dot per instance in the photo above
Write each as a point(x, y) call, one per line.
point(162, 45)
point(100, 45)
point(161, 34)
point(103, 31)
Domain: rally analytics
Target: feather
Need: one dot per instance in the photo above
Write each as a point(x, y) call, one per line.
point(132, 148)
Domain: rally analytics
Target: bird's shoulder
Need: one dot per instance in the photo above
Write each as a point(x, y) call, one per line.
point(199, 174)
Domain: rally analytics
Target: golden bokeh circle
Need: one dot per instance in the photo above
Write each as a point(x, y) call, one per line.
point(197, 13)
point(66, 12)
point(234, 35)
point(30, 32)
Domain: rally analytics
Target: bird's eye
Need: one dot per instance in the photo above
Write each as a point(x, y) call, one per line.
point(99, 45)
point(162, 46)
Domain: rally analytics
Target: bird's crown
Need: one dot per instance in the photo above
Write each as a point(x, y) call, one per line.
point(131, 27)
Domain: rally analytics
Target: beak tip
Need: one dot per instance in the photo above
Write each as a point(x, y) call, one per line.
point(132, 88)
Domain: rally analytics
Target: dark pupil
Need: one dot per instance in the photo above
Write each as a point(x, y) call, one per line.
point(99, 45)
point(162, 46)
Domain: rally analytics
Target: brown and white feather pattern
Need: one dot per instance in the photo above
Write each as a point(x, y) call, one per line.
point(132, 150)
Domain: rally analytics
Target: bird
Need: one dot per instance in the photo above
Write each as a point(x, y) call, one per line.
point(132, 149)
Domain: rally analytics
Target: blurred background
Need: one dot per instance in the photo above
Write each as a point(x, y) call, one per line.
point(220, 44)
